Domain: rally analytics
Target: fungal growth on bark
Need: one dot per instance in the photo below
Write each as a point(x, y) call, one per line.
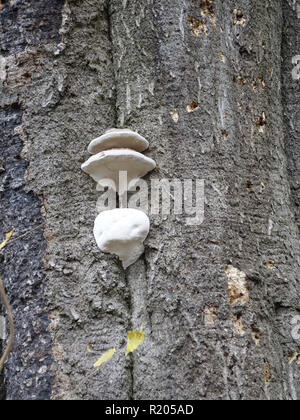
point(108, 164)
point(118, 139)
point(121, 232)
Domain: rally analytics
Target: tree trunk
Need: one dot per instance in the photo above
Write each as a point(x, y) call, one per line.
point(210, 86)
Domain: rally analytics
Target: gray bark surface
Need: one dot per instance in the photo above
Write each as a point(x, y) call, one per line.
point(291, 114)
point(291, 95)
point(70, 70)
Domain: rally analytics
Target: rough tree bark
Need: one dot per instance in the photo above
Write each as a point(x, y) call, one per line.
point(209, 84)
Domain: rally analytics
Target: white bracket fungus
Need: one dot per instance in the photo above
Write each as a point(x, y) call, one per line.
point(108, 164)
point(120, 231)
point(118, 139)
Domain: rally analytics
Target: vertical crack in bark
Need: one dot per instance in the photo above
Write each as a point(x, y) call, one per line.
point(136, 280)
point(108, 11)
point(28, 371)
point(129, 297)
point(130, 359)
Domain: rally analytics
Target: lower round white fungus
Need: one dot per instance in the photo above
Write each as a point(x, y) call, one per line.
point(122, 232)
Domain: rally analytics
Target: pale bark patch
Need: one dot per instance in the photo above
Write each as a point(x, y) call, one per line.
point(2, 66)
point(210, 316)
point(62, 384)
point(192, 107)
point(238, 326)
point(261, 122)
point(267, 372)
point(269, 264)
point(175, 116)
point(238, 18)
point(238, 291)
point(197, 27)
point(255, 335)
point(295, 357)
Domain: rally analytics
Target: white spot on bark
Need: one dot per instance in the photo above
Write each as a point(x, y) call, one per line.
point(270, 264)
point(140, 100)
point(2, 328)
point(151, 88)
point(270, 227)
point(175, 116)
point(122, 119)
point(199, 90)
point(295, 322)
point(2, 69)
point(43, 370)
point(238, 326)
point(60, 83)
point(295, 357)
point(181, 24)
point(128, 99)
point(210, 316)
point(140, 96)
point(222, 111)
point(239, 18)
point(237, 291)
point(192, 107)
point(222, 57)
